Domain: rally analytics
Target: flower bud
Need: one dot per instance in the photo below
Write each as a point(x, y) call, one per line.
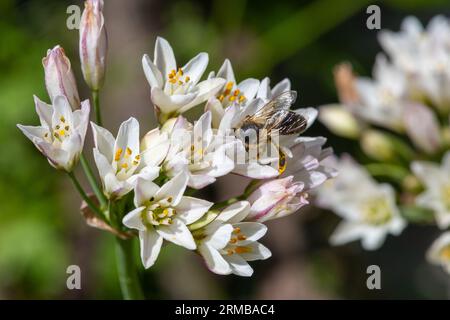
point(93, 44)
point(275, 199)
point(59, 78)
point(378, 145)
point(339, 121)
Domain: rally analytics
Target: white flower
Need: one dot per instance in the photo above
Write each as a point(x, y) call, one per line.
point(199, 152)
point(164, 213)
point(367, 207)
point(436, 196)
point(60, 137)
point(231, 93)
point(119, 160)
point(340, 121)
point(381, 99)
point(176, 90)
point(424, 56)
point(276, 199)
point(439, 252)
point(59, 78)
point(227, 243)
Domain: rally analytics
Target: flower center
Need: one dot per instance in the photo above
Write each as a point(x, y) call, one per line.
point(179, 83)
point(444, 253)
point(376, 211)
point(234, 245)
point(159, 213)
point(60, 132)
point(125, 162)
point(229, 95)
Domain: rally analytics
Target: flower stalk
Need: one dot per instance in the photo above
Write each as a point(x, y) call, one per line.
point(83, 194)
point(96, 102)
point(126, 268)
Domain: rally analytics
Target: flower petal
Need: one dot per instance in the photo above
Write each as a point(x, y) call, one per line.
point(153, 75)
point(178, 233)
point(133, 219)
point(226, 72)
point(206, 89)
point(150, 242)
point(195, 68)
point(234, 213)
point(173, 188)
point(104, 141)
point(128, 137)
point(44, 111)
point(257, 252)
point(169, 104)
point(144, 191)
point(164, 57)
point(239, 266)
point(214, 260)
point(191, 209)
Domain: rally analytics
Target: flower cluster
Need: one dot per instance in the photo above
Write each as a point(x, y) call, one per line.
point(401, 120)
point(148, 181)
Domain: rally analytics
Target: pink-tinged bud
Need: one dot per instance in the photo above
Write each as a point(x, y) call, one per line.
point(93, 44)
point(59, 78)
point(422, 127)
point(275, 199)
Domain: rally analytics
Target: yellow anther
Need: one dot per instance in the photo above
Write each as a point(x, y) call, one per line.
point(135, 162)
point(230, 252)
point(62, 132)
point(124, 165)
point(241, 99)
point(180, 82)
point(281, 162)
point(240, 250)
point(233, 240)
point(129, 152)
point(57, 127)
point(166, 212)
point(138, 157)
point(171, 75)
point(56, 134)
point(241, 237)
point(180, 71)
point(192, 147)
point(62, 119)
point(221, 97)
point(173, 80)
point(66, 128)
point(169, 199)
point(118, 154)
point(229, 86)
point(236, 92)
point(232, 98)
point(187, 79)
point(236, 230)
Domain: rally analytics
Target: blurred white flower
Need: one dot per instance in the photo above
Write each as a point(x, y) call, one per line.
point(59, 78)
point(227, 243)
point(436, 196)
point(93, 44)
point(60, 137)
point(176, 90)
point(367, 207)
point(119, 160)
point(164, 213)
point(199, 152)
point(439, 252)
point(340, 121)
point(424, 56)
point(381, 100)
point(231, 93)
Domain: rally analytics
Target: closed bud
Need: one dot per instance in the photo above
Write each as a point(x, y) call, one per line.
point(378, 145)
point(59, 78)
point(339, 121)
point(93, 44)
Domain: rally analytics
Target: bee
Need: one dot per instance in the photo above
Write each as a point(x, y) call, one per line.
point(275, 118)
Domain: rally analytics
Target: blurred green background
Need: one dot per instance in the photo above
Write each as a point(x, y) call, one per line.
point(41, 230)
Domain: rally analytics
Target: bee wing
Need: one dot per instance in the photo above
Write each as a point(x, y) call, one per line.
point(282, 101)
point(286, 122)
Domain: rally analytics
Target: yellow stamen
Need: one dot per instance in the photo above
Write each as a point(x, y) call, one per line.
point(62, 119)
point(233, 240)
point(187, 79)
point(221, 97)
point(67, 128)
point(241, 237)
point(241, 99)
point(230, 252)
point(129, 152)
point(236, 92)
point(62, 132)
point(240, 250)
point(236, 230)
point(229, 85)
point(124, 165)
point(232, 98)
point(118, 154)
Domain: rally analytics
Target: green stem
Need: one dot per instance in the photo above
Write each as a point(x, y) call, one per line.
point(83, 194)
point(96, 101)
point(126, 267)
point(93, 182)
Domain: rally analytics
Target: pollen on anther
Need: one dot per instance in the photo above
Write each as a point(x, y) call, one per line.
point(124, 165)
point(62, 119)
point(129, 152)
point(236, 230)
point(118, 154)
point(241, 237)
